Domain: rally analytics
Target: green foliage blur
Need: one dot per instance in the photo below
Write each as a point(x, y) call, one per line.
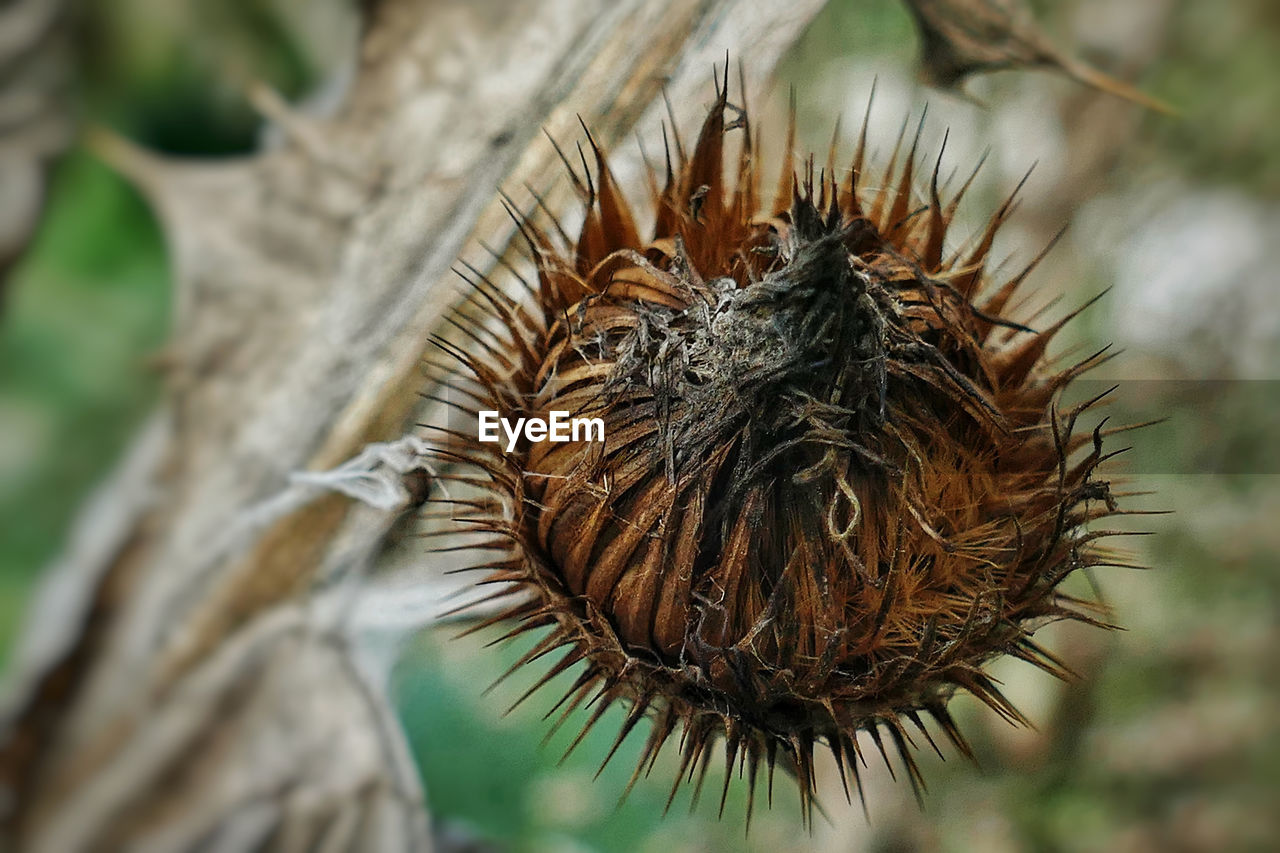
point(1168, 741)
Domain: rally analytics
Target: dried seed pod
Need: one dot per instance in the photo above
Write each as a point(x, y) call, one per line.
point(834, 482)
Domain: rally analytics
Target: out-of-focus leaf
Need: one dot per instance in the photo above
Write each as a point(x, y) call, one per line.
point(964, 37)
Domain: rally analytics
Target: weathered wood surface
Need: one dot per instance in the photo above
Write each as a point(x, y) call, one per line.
point(206, 665)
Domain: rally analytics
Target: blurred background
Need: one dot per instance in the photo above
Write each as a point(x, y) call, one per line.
point(1169, 739)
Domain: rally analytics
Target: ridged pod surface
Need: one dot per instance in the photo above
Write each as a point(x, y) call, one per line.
point(835, 482)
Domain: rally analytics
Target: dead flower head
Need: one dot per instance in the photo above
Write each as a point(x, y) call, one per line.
point(834, 483)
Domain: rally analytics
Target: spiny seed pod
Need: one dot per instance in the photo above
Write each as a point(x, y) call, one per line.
point(834, 482)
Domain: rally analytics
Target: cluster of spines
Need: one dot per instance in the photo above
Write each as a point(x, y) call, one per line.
point(611, 674)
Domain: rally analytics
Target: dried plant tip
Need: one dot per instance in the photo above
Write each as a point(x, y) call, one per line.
point(827, 495)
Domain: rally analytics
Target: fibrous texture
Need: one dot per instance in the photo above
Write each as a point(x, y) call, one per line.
point(834, 484)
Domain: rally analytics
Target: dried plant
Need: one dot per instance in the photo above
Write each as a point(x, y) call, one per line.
point(960, 38)
point(835, 482)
